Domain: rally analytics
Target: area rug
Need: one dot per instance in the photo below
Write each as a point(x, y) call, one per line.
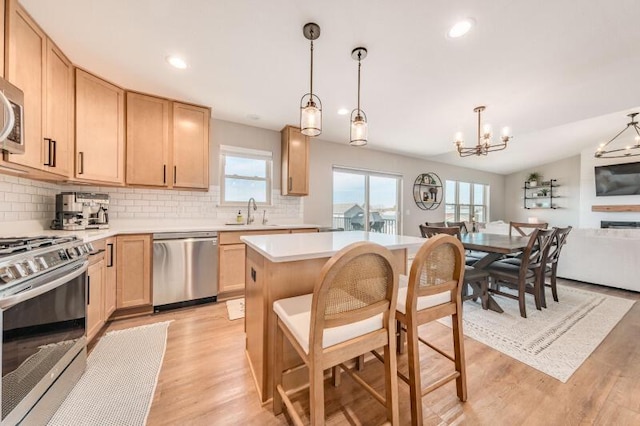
point(235, 308)
point(556, 340)
point(121, 376)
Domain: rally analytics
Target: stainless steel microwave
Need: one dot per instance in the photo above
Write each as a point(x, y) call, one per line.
point(11, 118)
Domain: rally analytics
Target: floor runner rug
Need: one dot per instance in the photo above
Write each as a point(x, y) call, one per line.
point(121, 376)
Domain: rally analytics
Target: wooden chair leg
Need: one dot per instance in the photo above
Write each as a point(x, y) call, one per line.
point(316, 394)
point(521, 294)
point(360, 363)
point(391, 381)
point(537, 293)
point(277, 369)
point(554, 290)
point(415, 383)
point(484, 293)
point(402, 338)
point(336, 378)
point(458, 350)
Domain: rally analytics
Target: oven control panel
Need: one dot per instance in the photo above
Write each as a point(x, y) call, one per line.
point(36, 262)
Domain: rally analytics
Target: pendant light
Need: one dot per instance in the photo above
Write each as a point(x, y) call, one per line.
point(359, 130)
point(619, 149)
point(310, 105)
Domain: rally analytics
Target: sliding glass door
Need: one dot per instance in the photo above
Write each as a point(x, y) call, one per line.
point(366, 200)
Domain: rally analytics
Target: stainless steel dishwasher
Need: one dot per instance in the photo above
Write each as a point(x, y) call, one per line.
point(185, 268)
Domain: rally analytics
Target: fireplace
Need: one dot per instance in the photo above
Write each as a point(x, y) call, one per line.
point(619, 224)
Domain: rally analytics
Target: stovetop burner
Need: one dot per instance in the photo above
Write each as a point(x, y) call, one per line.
point(13, 245)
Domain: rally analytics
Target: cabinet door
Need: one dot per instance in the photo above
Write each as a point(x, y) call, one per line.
point(58, 119)
point(295, 162)
point(25, 54)
point(190, 146)
point(110, 278)
point(95, 303)
point(147, 140)
point(133, 270)
point(232, 263)
point(99, 130)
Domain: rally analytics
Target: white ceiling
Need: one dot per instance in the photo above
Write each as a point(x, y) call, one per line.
point(562, 74)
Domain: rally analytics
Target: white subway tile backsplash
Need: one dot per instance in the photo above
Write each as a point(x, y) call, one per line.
point(26, 199)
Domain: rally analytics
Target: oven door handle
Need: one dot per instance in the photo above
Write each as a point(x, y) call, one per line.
point(37, 291)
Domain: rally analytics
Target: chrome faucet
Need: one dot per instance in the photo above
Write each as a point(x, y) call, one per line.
point(250, 219)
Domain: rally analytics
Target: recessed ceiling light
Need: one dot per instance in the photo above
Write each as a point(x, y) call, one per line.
point(177, 62)
point(343, 111)
point(461, 28)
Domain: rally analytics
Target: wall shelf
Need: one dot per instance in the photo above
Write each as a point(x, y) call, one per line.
point(427, 191)
point(532, 193)
point(616, 208)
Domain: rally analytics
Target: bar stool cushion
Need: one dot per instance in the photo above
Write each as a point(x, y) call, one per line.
point(423, 302)
point(295, 313)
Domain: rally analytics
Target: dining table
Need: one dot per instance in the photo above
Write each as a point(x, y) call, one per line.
point(495, 246)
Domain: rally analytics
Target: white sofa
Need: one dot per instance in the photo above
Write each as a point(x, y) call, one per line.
point(608, 257)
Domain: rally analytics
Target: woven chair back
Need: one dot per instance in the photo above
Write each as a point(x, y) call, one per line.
point(437, 267)
point(358, 282)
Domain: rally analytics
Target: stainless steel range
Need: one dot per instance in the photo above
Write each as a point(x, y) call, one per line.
point(43, 283)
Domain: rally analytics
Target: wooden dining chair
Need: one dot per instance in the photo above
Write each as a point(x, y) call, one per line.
point(430, 231)
point(524, 229)
point(351, 312)
point(433, 291)
point(461, 225)
point(475, 277)
point(527, 275)
point(559, 240)
point(439, 224)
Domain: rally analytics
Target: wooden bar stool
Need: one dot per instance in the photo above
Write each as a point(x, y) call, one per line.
point(433, 291)
point(351, 312)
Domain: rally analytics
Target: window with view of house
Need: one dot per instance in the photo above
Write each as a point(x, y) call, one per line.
point(245, 173)
point(466, 201)
point(360, 194)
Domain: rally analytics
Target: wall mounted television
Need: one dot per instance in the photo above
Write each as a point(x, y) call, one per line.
point(618, 179)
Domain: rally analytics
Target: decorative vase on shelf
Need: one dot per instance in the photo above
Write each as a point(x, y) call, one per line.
point(533, 183)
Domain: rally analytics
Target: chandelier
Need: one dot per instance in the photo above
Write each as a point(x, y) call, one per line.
point(310, 105)
point(628, 150)
point(484, 145)
point(359, 124)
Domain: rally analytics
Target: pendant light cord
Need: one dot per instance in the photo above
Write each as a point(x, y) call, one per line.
point(479, 134)
point(311, 84)
point(359, 65)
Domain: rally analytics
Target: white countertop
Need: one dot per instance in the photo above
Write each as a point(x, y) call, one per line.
point(292, 247)
point(146, 227)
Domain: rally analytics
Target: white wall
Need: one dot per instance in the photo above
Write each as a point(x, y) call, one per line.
point(228, 133)
point(589, 219)
point(318, 205)
point(567, 173)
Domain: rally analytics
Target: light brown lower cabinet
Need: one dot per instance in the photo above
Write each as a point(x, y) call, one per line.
point(110, 280)
point(232, 267)
point(231, 259)
point(95, 301)
point(133, 270)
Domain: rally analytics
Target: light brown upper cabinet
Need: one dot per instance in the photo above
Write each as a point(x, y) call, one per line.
point(45, 75)
point(190, 146)
point(167, 143)
point(148, 120)
point(295, 162)
point(99, 130)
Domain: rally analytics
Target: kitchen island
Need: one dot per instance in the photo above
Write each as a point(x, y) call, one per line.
point(287, 265)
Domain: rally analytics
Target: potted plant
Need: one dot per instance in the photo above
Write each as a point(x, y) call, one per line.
point(544, 192)
point(533, 179)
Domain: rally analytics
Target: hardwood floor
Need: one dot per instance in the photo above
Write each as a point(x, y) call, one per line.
point(205, 380)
